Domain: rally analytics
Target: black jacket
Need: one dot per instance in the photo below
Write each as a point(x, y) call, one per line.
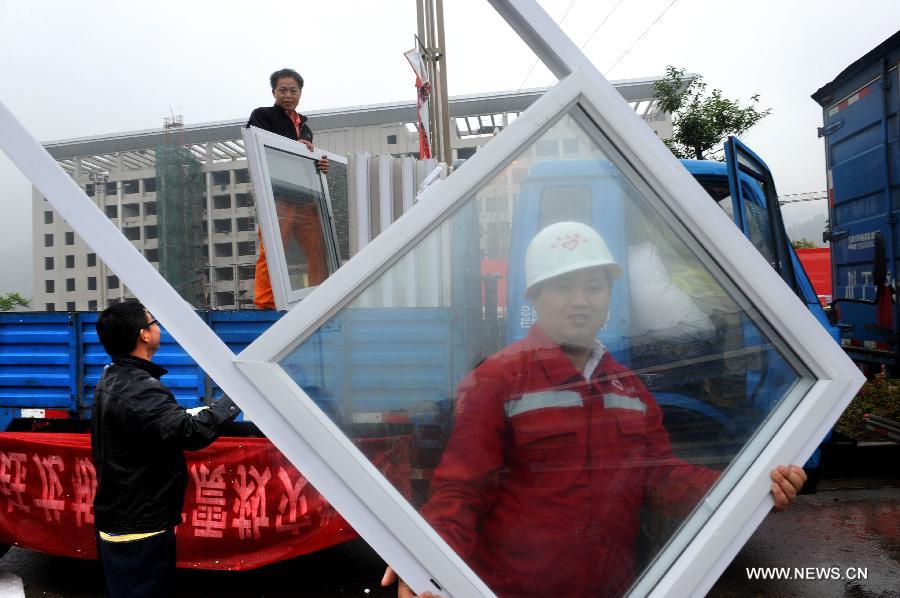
point(138, 435)
point(276, 120)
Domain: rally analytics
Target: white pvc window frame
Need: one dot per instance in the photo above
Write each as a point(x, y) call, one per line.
point(256, 141)
point(330, 461)
point(731, 512)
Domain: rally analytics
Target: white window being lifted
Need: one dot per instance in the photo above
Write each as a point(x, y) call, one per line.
point(696, 327)
point(294, 210)
point(644, 478)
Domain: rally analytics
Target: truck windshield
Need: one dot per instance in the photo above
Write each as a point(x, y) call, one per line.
point(755, 214)
point(759, 212)
point(758, 222)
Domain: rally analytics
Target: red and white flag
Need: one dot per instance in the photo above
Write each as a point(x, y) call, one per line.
point(423, 87)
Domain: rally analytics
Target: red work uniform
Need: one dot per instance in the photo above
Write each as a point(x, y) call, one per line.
point(541, 483)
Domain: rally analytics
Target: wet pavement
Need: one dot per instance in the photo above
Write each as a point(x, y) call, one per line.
point(839, 532)
point(841, 529)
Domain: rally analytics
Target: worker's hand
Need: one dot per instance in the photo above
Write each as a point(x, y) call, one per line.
point(308, 144)
point(322, 164)
point(786, 484)
point(403, 590)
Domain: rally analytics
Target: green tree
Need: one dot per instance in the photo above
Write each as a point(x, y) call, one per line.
point(701, 121)
point(803, 243)
point(10, 301)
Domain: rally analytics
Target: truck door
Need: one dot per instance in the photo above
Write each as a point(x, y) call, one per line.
point(758, 213)
point(761, 222)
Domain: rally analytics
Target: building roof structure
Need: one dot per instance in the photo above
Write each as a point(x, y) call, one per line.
point(221, 140)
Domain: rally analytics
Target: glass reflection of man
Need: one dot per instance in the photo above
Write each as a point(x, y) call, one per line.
point(299, 220)
point(555, 446)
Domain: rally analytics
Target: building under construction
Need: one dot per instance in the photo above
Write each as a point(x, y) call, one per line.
point(179, 196)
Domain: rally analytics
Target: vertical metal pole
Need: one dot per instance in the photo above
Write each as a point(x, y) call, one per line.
point(420, 21)
point(446, 144)
point(430, 22)
point(434, 112)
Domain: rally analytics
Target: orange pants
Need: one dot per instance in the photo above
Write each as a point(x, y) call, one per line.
point(301, 222)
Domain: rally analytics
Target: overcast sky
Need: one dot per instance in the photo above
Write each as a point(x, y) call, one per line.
point(74, 69)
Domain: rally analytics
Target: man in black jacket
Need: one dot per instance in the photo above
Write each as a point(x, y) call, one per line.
point(297, 219)
point(138, 435)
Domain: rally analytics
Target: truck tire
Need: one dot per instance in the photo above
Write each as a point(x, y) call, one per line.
point(4, 548)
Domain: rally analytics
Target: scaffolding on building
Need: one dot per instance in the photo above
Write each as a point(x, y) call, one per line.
point(180, 187)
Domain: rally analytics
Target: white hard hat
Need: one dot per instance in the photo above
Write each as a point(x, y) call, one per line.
point(565, 247)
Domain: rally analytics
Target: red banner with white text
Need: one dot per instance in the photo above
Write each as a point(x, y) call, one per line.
point(246, 506)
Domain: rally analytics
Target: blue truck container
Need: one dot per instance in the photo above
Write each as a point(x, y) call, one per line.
point(51, 362)
point(861, 130)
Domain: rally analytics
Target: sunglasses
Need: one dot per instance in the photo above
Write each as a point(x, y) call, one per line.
point(151, 323)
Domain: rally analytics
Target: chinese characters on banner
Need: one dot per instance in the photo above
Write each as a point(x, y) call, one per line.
point(245, 506)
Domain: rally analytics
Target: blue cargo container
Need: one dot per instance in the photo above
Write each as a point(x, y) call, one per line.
point(861, 131)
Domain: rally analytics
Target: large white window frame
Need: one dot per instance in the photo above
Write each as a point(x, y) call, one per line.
point(331, 462)
point(733, 509)
point(256, 141)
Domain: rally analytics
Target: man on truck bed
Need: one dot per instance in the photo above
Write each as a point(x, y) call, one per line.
point(556, 446)
point(300, 220)
point(138, 435)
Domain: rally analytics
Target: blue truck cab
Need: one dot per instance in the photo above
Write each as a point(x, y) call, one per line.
point(862, 157)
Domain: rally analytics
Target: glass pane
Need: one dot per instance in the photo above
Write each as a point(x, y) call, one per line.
point(571, 373)
point(562, 204)
point(765, 225)
point(757, 218)
point(719, 190)
point(299, 203)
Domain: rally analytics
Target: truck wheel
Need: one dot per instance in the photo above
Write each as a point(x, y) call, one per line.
point(4, 548)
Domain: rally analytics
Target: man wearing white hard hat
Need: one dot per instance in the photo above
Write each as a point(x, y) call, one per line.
point(556, 446)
